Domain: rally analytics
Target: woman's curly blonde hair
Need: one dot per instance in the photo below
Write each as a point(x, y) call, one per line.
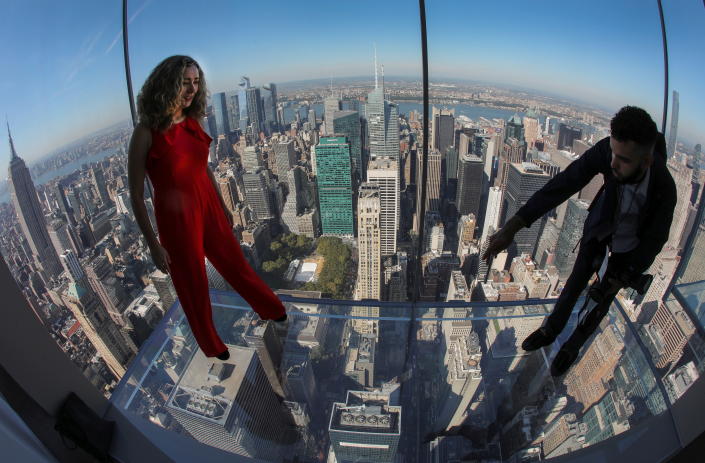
point(159, 97)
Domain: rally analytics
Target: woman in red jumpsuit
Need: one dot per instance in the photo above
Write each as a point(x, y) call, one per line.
point(170, 145)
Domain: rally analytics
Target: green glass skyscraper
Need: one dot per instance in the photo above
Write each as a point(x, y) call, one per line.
point(333, 169)
point(348, 123)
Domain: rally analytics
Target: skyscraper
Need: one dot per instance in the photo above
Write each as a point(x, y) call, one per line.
point(334, 182)
point(523, 181)
point(494, 206)
point(30, 214)
point(566, 136)
point(251, 159)
point(331, 105)
point(382, 123)
point(230, 405)
point(673, 133)
point(469, 184)
point(515, 129)
point(242, 103)
point(385, 174)
point(220, 111)
point(269, 103)
point(442, 129)
point(285, 157)
point(348, 123)
point(258, 195)
point(369, 275)
point(255, 111)
point(365, 428)
point(569, 236)
point(261, 336)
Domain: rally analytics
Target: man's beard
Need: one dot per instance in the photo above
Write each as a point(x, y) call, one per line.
point(636, 177)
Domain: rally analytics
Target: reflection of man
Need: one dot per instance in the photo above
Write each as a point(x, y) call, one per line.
point(630, 217)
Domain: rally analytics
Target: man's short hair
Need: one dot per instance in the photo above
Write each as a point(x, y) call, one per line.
point(635, 124)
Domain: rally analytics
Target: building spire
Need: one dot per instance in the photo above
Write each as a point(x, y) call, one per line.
point(375, 45)
point(9, 135)
point(382, 78)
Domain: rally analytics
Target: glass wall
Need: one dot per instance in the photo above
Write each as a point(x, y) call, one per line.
point(66, 234)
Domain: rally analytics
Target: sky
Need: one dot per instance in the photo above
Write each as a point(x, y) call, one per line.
point(66, 75)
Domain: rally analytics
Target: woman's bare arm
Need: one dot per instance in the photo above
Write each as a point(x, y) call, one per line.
point(140, 144)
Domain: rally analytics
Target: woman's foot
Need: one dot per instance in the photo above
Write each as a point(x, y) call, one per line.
point(281, 319)
point(224, 355)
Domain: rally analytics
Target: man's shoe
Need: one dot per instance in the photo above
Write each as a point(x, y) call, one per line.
point(538, 339)
point(564, 359)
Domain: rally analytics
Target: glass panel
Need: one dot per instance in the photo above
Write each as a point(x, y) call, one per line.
point(65, 235)
point(298, 392)
point(293, 134)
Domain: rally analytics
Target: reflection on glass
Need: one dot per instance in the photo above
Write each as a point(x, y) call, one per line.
point(66, 233)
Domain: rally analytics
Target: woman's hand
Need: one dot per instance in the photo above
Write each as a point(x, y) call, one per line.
point(160, 257)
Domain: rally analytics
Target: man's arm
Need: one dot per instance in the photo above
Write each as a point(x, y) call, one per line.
point(594, 161)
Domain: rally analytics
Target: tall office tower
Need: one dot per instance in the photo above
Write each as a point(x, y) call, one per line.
point(295, 204)
point(233, 109)
point(285, 158)
point(72, 266)
point(395, 274)
point(515, 129)
point(537, 282)
point(369, 274)
point(570, 234)
point(299, 381)
point(504, 338)
point(261, 335)
point(312, 118)
point(492, 211)
point(464, 143)
point(63, 202)
point(673, 132)
point(258, 196)
point(585, 380)
point(101, 278)
point(462, 359)
point(469, 185)
point(436, 238)
point(513, 151)
point(230, 405)
point(360, 358)
point(98, 326)
point(348, 123)
point(331, 105)
point(523, 181)
point(334, 186)
point(607, 418)
point(566, 136)
point(384, 173)
point(433, 182)
point(546, 249)
point(694, 258)
point(682, 176)
point(562, 436)
point(255, 111)
point(228, 190)
point(531, 130)
point(466, 228)
point(243, 102)
point(365, 428)
point(252, 159)
point(220, 111)
point(442, 129)
point(666, 329)
point(269, 103)
point(30, 214)
point(382, 123)
point(165, 288)
point(99, 183)
point(483, 266)
point(62, 237)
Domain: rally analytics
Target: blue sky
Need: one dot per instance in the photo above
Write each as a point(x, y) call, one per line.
point(66, 77)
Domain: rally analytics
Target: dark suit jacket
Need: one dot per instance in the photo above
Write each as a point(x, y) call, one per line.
point(655, 218)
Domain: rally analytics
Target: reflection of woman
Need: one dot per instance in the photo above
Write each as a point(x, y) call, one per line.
point(193, 221)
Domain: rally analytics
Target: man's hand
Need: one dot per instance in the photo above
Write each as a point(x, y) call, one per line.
point(503, 238)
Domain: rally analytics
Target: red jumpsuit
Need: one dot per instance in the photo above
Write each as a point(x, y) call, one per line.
point(192, 225)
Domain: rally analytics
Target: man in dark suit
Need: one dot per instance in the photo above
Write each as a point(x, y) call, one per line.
point(628, 220)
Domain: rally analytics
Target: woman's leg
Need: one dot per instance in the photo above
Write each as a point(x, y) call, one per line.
point(224, 252)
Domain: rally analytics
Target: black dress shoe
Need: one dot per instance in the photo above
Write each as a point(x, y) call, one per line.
point(224, 355)
point(537, 339)
point(564, 359)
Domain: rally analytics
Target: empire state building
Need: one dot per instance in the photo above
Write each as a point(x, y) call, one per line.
point(29, 212)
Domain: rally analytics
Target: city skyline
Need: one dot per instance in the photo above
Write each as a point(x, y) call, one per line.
point(81, 85)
